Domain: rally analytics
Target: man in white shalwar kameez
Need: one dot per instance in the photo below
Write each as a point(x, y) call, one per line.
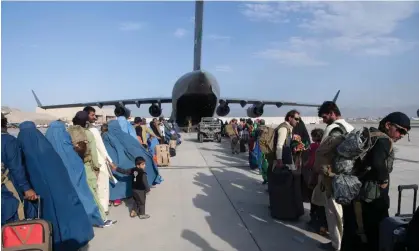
point(105, 174)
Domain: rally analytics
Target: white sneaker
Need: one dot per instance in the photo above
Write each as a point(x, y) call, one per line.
point(109, 223)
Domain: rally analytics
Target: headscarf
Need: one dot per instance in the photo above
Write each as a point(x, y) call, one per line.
point(155, 129)
point(126, 149)
point(61, 141)
point(301, 130)
point(81, 119)
point(49, 177)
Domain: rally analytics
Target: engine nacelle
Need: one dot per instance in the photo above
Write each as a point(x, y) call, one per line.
point(154, 110)
point(255, 111)
point(222, 110)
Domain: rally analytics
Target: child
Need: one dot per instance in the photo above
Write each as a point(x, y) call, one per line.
point(317, 213)
point(140, 186)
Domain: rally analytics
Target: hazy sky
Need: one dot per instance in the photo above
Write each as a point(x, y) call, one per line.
point(80, 51)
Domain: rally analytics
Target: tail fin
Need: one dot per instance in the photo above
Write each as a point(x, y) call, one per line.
point(37, 99)
point(336, 97)
point(199, 12)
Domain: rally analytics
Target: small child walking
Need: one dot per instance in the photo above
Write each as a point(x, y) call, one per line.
point(140, 186)
point(317, 213)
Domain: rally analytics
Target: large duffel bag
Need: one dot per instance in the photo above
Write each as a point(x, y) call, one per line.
point(286, 202)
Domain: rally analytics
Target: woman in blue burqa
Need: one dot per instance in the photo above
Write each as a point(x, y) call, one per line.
point(49, 177)
point(123, 149)
point(61, 141)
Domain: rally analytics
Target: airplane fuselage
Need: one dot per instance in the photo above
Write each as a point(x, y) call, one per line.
point(195, 95)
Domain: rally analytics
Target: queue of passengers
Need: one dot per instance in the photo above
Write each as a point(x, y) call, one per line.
point(78, 173)
point(295, 150)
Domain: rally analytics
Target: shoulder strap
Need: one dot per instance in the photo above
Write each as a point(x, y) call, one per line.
point(381, 135)
point(341, 127)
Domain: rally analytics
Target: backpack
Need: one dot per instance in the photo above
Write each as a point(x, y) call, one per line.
point(79, 141)
point(266, 138)
point(354, 147)
point(229, 130)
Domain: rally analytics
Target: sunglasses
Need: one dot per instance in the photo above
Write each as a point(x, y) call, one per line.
point(400, 129)
point(297, 119)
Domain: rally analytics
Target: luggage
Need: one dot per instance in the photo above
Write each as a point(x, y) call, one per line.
point(242, 146)
point(393, 229)
point(286, 202)
point(412, 242)
point(32, 234)
point(172, 144)
point(229, 130)
point(172, 152)
point(162, 155)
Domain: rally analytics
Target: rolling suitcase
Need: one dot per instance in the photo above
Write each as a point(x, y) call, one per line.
point(31, 234)
point(162, 155)
point(393, 229)
point(286, 202)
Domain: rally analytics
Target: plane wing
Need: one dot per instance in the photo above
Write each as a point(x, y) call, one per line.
point(138, 102)
point(277, 103)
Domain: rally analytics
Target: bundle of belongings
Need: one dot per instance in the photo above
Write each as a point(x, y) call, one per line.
point(340, 158)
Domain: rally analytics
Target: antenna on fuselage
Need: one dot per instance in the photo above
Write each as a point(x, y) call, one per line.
point(199, 12)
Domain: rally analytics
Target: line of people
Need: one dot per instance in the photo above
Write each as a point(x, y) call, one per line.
point(78, 172)
point(292, 148)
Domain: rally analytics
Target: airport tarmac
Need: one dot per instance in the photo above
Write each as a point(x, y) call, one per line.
point(210, 200)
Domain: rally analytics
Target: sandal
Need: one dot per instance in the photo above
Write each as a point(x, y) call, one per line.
point(133, 214)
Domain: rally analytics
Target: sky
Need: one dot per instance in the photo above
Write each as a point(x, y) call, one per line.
point(291, 51)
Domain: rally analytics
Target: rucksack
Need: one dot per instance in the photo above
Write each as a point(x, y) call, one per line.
point(353, 148)
point(79, 141)
point(229, 130)
point(267, 137)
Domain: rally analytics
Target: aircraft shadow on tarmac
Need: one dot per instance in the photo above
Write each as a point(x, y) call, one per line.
point(250, 201)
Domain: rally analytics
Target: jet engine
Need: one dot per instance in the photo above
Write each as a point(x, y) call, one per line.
point(255, 111)
point(223, 110)
point(154, 110)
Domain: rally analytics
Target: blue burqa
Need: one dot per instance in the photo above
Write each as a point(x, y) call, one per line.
point(12, 158)
point(123, 149)
point(152, 143)
point(61, 205)
point(126, 126)
point(255, 156)
point(60, 139)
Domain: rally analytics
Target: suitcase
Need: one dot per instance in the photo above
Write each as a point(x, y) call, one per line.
point(412, 242)
point(31, 234)
point(393, 229)
point(172, 152)
point(242, 146)
point(162, 155)
point(286, 202)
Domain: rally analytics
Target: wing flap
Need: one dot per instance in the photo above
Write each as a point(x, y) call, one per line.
point(277, 103)
point(100, 104)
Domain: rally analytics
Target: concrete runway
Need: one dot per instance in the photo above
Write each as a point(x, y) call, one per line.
point(210, 201)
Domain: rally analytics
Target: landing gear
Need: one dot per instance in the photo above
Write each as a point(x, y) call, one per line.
point(200, 137)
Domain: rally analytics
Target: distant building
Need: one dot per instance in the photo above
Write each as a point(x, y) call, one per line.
point(67, 114)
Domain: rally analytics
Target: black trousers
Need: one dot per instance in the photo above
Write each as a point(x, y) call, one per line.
point(139, 197)
point(372, 214)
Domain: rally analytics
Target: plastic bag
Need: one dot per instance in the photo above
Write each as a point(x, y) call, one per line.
point(345, 188)
point(355, 144)
point(342, 165)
